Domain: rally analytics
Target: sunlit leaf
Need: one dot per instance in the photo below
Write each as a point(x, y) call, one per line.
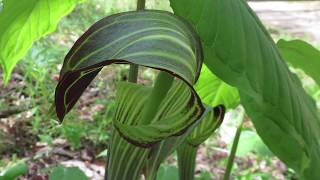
point(24, 21)
point(213, 91)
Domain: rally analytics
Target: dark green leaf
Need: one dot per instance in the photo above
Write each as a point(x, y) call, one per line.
point(301, 55)
point(24, 21)
point(154, 39)
point(238, 50)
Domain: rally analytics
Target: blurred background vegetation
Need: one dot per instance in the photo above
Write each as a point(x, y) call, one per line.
point(29, 133)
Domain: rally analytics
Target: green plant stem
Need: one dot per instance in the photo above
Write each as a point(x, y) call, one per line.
point(133, 73)
point(134, 69)
point(160, 89)
point(233, 152)
point(141, 4)
point(151, 167)
point(187, 161)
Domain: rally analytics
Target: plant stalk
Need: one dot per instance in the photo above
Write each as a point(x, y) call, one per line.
point(187, 161)
point(233, 152)
point(133, 73)
point(141, 4)
point(134, 69)
point(151, 167)
point(160, 89)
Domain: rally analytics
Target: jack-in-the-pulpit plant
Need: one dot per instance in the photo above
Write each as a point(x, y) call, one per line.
point(151, 122)
point(212, 55)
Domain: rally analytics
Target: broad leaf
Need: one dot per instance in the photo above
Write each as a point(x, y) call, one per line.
point(154, 39)
point(238, 50)
point(301, 55)
point(213, 91)
point(24, 21)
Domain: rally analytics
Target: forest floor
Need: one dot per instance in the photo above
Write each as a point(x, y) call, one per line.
point(301, 19)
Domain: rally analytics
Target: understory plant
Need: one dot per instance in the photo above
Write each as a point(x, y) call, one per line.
point(211, 55)
point(149, 122)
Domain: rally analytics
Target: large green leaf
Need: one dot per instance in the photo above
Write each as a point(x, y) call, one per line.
point(24, 21)
point(303, 55)
point(155, 39)
point(238, 50)
point(213, 91)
